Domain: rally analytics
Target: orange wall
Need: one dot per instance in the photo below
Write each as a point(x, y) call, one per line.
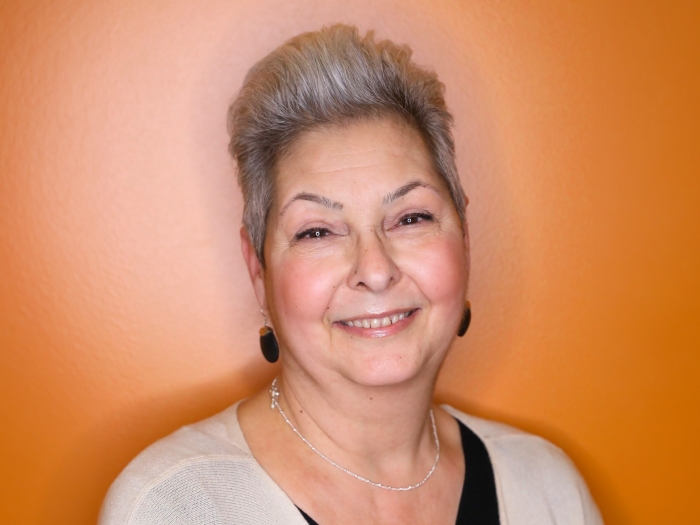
point(125, 310)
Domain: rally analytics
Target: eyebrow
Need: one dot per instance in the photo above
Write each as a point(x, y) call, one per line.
point(312, 197)
point(406, 188)
point(334, 205)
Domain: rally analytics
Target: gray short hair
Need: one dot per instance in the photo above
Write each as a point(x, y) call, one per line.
point(331, 77)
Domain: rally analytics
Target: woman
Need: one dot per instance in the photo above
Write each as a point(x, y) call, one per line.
point(356, 243)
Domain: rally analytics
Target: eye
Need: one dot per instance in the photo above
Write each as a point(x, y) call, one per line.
point(414, 218)
point(312, 233)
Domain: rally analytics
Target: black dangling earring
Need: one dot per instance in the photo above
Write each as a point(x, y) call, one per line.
point(268, 341)
point(466, 319)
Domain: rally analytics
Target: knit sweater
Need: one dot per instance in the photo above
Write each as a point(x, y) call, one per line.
point(205, 474)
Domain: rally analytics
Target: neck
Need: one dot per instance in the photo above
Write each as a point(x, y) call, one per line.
point(383, 433)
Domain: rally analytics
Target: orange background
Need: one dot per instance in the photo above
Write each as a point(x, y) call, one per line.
point(125, 309)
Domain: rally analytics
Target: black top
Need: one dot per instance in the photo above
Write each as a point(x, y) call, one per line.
point(479, 503)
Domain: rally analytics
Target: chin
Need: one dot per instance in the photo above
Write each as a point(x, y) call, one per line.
point(387, 371)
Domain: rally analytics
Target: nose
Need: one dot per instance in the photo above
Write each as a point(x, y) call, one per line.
point(374, 268)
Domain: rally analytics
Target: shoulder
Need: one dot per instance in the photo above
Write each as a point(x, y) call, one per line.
point(200, 472)
point(535, 479)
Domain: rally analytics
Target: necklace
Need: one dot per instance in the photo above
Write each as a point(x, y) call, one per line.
point(274, 394)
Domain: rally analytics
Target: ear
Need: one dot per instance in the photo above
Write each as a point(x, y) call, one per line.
point(255, 269)
point(467, 250)
point(467, 256)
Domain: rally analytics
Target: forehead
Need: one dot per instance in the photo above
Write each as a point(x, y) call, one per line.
point(383, 153)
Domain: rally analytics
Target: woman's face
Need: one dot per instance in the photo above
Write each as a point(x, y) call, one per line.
point(367, 262)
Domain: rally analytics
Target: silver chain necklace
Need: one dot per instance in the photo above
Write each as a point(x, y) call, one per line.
point(274, 394)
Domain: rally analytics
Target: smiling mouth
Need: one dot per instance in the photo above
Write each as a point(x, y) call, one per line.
point(378, 322)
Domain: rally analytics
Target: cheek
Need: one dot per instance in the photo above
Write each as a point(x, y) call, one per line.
point(303, 289)
point(439, 268)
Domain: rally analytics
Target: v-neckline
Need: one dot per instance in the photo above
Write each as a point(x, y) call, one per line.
point(478, 504)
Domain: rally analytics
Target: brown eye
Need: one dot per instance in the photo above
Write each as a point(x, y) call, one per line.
point(312, 233)
point(415, 218)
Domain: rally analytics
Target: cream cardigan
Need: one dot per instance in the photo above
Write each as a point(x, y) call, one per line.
point(205, 474)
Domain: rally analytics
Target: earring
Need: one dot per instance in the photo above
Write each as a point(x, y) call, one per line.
point(466, 319)
point(268, 341)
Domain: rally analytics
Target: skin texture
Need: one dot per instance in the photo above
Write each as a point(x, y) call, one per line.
point(361, 227)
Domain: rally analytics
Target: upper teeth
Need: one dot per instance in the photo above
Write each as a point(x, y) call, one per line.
point(376, 322)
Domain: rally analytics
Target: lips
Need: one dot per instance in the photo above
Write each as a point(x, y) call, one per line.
point(378, 321)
